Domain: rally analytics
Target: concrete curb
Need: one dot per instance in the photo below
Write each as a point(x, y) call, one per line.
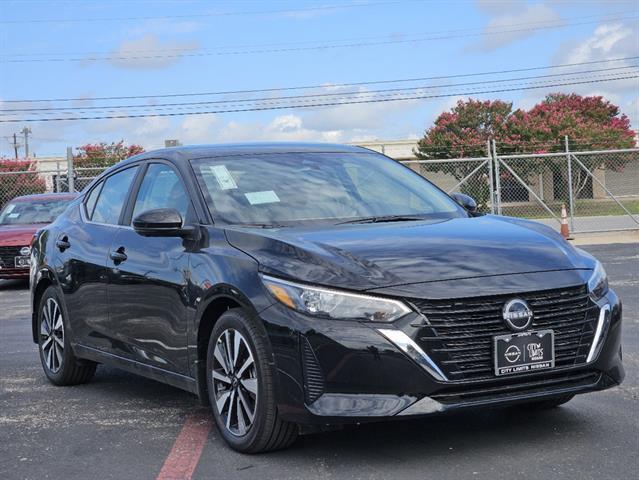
point(606, 238)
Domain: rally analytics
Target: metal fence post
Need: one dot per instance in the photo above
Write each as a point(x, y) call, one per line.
point(57, 177)
point(491, 187)
point(497, 178)
point(570, 193)
point(70, 179)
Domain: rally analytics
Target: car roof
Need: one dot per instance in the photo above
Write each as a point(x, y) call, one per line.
point(45, 196)
point(230, 149)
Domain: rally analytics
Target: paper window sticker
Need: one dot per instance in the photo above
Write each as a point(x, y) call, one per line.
point(224, 178)
point(257, 198)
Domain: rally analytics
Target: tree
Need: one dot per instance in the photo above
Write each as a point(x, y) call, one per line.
point(464, 132)
point(102, 155)
point(24, 181)
point(589, 122)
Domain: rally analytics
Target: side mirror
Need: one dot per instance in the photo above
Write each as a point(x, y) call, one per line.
point(465, 201)
point(161, 222)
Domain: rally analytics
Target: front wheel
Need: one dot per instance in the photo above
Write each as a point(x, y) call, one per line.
point(241, 388)
point(59, 363)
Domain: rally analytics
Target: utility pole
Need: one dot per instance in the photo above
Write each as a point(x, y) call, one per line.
point(26, 131)
point(15, 145)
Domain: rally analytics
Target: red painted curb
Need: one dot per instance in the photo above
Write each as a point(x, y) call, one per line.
point(187, 449)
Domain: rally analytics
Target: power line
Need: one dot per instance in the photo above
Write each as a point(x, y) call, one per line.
point(332, 85)
point(214, 14)
point(125, 57)
point(84, 109)
point(404, 36)
point(326, 104)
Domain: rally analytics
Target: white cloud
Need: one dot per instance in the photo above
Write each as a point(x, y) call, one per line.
point(355, 116)
point(149, 132)
point(514, 21)
point(149, 52)
point(197, 128)
point(607, 41)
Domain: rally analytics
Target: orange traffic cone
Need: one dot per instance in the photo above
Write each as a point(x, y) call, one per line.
point(565, 231)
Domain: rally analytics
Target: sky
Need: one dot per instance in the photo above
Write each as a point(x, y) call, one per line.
point(83, 51)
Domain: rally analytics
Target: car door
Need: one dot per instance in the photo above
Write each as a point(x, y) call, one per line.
point(82, 243)
point(148, 278)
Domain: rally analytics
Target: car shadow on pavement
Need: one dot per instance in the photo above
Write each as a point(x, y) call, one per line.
point(477, 429)
point(14, 284)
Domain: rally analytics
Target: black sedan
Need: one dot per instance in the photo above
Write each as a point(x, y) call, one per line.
point(300, 287)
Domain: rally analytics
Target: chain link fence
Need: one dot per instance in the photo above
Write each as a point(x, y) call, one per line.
point(19, 178)
point(599, 189)
point(15, 183)
point(471, 176)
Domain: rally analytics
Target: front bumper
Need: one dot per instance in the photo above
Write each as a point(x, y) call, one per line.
point(14, 273)
point(335, 372)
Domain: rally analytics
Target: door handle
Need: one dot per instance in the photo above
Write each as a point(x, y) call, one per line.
point(118, 256)
point(62, 243)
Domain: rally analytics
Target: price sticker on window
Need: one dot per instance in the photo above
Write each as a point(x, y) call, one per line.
point(224, 178)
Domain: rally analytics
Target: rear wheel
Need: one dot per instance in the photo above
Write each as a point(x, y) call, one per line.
point(241, 387)
point(58, 361)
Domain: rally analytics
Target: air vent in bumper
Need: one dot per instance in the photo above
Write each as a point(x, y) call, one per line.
point(313, 376)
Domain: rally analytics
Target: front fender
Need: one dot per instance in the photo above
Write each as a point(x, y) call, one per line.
point(41, 279)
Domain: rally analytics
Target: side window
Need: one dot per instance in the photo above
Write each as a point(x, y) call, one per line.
point(161, 188)
point(112, 197)
point(93, 197)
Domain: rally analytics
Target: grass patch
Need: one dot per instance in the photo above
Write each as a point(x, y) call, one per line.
point(583, 208)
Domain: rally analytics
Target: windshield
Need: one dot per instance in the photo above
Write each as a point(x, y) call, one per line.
point(32, 211)
point(285, 188)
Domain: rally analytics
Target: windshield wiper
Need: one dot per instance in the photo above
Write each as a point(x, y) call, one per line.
point(383, 218)
point(259, 225)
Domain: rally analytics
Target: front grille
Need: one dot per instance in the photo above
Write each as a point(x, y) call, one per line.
point(7, 256)
point(459, 332)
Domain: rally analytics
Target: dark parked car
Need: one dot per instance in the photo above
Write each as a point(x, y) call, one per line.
point(299, 287)
point(20, 219)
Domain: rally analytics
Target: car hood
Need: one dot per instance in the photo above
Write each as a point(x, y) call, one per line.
point(374, 256)
point(17, 235)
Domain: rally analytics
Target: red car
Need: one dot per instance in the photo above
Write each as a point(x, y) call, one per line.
point(19, 220)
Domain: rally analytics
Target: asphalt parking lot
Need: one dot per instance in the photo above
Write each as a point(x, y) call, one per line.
point(121, 426)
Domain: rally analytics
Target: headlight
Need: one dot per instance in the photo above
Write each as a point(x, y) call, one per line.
point(598, 282)
point(333, 304)
point(25, 251)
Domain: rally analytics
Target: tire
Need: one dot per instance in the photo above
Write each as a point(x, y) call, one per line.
point(59, 363)
point(246, 387)
point(550, 403)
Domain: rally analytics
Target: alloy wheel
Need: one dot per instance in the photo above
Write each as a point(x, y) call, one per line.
point(52, 335)
point(234, 382)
